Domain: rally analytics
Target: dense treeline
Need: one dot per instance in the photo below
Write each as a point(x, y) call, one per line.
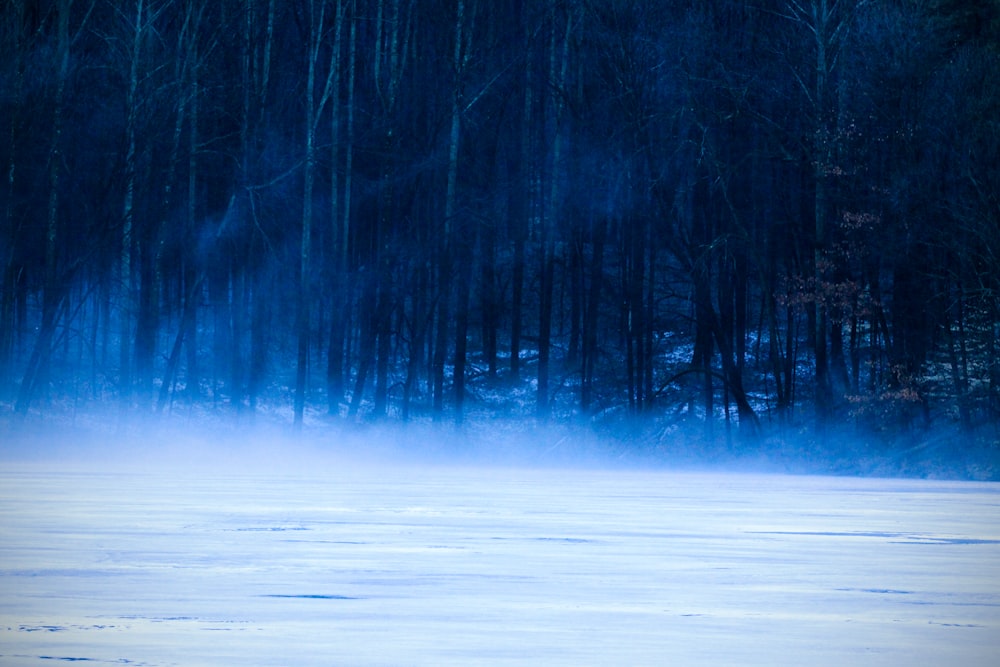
point(756, 217)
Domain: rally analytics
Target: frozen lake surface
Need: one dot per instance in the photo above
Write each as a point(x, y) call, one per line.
point(437, 565)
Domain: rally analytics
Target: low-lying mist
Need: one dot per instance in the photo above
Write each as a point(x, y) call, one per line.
point(263, 445)
point(268, 444)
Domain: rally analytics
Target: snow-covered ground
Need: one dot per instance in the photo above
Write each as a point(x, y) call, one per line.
point(350, 564)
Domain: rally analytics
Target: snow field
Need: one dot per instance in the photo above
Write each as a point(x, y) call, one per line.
point(437, 565)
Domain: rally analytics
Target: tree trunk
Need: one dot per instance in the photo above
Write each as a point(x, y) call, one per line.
point(422, 315)
point(304, 296)
point(462, 296)
point(552, 212)
point(367, 334)
point(260, 328)
point(127, 301)
point(440, 336)
point(516, 309)
point(574, 262)
point(147, 320)
point(546, 274)
point(522, 199)
point(456, 231)
point(489, 299)
point(589, 350)
point(341, 217)
point(383, 336)
point(315, 102)
point(51, 288)
point(10, 278)
point(703, 340)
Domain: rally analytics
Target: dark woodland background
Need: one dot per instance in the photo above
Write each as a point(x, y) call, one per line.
point(725, 223)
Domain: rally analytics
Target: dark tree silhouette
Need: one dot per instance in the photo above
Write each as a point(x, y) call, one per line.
point(728, 220)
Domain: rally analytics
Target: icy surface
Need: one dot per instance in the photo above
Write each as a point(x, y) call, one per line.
point(457, 566)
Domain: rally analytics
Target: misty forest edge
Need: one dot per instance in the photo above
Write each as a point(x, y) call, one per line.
point(732, 221)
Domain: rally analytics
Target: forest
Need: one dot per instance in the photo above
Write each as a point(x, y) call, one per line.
point(726, 223)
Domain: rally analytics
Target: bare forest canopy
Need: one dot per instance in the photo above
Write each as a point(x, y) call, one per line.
point(726, 221)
